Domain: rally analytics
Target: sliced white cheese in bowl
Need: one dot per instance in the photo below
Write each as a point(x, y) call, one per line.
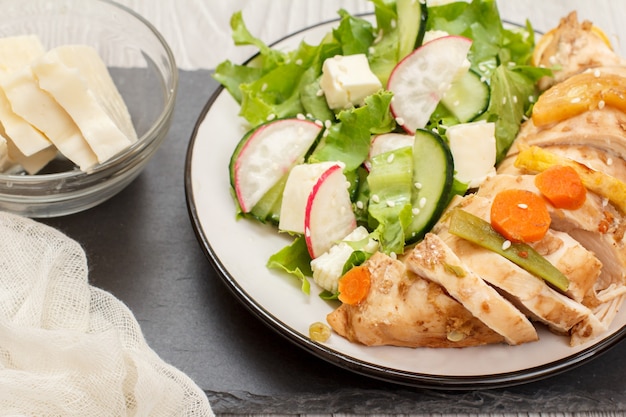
point(5, 160)
point(16, 52)
point(32, 164)
point(77, 78)
point(42, 111)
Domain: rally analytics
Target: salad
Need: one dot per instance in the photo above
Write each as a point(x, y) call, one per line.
point(352, 148)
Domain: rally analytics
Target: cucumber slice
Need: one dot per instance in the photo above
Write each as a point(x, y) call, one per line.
point(468, 97)
point(433, 175)
point(267, 210)
point(412, 17)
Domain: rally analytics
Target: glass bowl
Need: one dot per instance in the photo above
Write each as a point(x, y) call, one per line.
point(144, 71)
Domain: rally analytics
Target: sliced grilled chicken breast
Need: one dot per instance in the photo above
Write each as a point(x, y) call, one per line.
point(434, 260)
point(572, 47)
point(526, 291)
point(403, 309)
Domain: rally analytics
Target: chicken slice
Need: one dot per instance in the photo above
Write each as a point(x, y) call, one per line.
point(403, 309)
point(434, 260)
point(603, 129)
point(597, 227)
point(595, 158)
point(579, 264)
point(527, 292)
point(572, 47)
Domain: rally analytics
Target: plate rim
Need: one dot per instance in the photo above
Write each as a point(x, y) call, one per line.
point(342, 360)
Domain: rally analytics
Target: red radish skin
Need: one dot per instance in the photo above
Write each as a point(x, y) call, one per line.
point(268, 155)
point(420, 80)
point(302, 178)
point(329, 216)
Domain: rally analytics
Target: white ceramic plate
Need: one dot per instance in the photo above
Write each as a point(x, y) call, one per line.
point(239, 250)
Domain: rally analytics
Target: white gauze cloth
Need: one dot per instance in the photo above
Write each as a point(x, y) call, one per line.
point(70, 349)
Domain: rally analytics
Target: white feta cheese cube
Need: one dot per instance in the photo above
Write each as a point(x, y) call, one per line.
point(473, 147)
point(347, 80)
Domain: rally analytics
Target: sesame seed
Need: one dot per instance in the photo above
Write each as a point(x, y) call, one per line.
point(504, 100)
point(375, 198)
point(422, 202)
point(264, 87)
point(609, 161)
point(319, 93)
point(596, 73)
point(390, 158)
point(601, 104)
point(359, 205)
point(531, 99)
point(506, 244)
point(418, 185)
point(393, 255)
point(514, 99)
point(300, 116)
point(371, 50)
point(522, 206)
point(298, 62)
point(328, 124)
point(575, 100)
point(319, 123)
point(399, 120)
point(391, 203)
point(271, 116)
point(415, 211)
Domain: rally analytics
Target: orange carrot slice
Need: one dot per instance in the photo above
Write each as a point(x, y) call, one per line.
point(355, 285)
point(562, 187)
point(520, 215)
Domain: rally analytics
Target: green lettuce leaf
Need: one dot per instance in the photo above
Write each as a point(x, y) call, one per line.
point(354, 34)
point(512, 94)
point(391, 186)
point(349, 139)
point(295, 260)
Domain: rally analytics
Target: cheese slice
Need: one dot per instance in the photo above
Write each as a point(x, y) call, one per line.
point(16, 52)
point(5, 160)
point(80, 82)
point(32, 164)
point(43, 112)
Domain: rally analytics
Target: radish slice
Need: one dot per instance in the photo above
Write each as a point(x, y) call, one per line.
point(388, 142)
point(266, 154)
point(420, 80)
point(329, 216)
